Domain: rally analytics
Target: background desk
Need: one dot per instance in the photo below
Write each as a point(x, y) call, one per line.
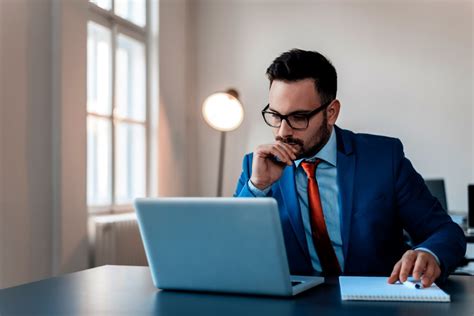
point(122, 290)
point(469, 237)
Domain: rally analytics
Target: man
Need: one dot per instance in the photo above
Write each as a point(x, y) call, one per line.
point(344, 198)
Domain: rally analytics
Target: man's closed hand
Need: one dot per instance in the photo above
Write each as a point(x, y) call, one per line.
point(420, 264)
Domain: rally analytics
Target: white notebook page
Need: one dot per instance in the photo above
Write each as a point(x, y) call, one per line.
point(377, 289)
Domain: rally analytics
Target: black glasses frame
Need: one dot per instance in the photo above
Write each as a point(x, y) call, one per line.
point(282, 117)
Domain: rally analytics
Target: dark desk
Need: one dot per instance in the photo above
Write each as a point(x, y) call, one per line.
point(121, 290)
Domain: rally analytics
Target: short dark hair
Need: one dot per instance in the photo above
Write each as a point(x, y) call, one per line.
point(298, 64)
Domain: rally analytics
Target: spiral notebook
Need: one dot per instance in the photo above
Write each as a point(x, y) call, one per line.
point(377, 289)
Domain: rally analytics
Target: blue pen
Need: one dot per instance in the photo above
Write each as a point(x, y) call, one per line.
point(412, 285)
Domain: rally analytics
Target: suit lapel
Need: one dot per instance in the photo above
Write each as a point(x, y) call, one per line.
point(345, 179)
point(289, 197)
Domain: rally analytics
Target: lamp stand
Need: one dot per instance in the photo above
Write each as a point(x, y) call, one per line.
point(221, 165)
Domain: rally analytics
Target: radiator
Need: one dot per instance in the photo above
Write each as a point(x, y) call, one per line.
point(115, 239)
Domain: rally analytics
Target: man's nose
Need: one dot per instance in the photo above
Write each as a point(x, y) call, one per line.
point(285, 129)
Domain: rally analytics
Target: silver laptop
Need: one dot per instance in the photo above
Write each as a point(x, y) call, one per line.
point(232, 245)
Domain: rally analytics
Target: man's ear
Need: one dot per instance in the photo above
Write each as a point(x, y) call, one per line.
point(333, 112)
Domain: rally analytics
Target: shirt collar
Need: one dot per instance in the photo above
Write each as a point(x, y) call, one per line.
point(328, 153)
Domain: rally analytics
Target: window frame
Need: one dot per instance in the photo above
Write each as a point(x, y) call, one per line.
point(118, 25)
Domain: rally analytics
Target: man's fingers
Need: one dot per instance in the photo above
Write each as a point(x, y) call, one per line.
point(294, 147)
point(281, 154)
point(431, 274)
point(428, 276)
point(408, 261)
point(264, 151)
point(286, 149)
point(395, 272)
point(420, 266)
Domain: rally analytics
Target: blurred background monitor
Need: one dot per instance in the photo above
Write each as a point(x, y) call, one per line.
point(438, 190)
point(470, 205)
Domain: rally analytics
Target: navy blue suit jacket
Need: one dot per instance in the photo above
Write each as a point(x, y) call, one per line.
point(381, 194)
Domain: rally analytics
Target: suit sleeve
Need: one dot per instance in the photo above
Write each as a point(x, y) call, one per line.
point(243, 189)
point(423, 217)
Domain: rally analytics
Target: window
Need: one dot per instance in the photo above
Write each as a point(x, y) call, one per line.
point(118, 136)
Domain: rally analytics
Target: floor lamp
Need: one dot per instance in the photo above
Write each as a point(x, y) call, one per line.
point(223, 112)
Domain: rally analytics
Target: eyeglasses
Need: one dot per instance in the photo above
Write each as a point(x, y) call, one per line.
point(297, 120)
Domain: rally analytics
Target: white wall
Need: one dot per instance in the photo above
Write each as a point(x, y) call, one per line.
point(177, 140)
point(43, 212)
point(25, 142)
point(405, 70)
point(69, 135)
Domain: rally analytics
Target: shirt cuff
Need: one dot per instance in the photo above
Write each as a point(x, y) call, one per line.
point(430, 252)
point(256, 191)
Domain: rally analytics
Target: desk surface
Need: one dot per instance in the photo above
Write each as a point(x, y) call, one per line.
point(123, 290)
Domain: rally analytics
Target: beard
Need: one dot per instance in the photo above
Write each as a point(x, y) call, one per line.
point(320, 138)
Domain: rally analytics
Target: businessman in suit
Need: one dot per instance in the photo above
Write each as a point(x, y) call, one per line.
point(344, 198)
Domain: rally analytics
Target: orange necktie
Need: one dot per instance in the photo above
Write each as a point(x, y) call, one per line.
point(321, 240)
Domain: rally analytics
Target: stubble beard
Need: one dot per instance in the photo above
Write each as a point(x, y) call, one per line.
point(322, 135)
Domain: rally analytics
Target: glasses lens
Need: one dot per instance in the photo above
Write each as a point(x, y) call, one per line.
point(272, 119)
point(298, 121)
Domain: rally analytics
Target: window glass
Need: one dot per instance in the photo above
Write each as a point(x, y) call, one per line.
point(130, 79)
point(99, 157)
point(104, 4)
point(99, 74)
point(132, 10)
point(130, 163)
